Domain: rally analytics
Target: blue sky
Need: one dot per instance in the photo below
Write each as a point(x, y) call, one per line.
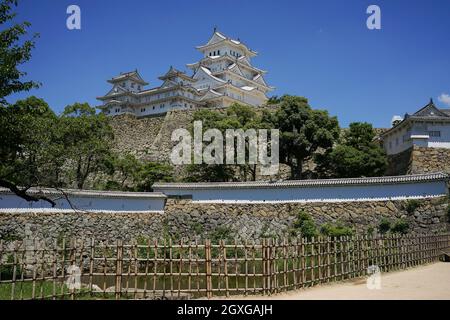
point(318, 49)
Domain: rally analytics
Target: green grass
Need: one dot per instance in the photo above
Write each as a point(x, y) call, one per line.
point(45, 290)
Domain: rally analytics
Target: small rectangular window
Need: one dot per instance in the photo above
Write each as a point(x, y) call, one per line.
point(434, 133)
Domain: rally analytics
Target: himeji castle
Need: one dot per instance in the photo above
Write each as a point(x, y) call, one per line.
point(222, 77)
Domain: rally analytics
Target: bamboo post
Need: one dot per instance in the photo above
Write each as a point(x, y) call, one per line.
point(246, 267)
point(54, 263)
point(264, 266)
point(225, 266)
point(180, 268)
point(208, 268)
point(13, 284)
point(155, 265)
point(171, 267)
point(119, 264)
point(91, 266)
point(190, 266)
point(312, 260)
point(147, 257)
point(303, 261)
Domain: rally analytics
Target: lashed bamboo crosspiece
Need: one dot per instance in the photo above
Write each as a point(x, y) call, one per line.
point(187, 269)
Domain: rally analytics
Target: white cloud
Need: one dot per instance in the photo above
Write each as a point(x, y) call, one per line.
point(444, 98)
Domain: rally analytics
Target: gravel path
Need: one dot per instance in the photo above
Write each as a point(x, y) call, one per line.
point(424, 282)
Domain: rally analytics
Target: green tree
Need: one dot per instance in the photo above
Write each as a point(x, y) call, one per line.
point(336, 230)
point(87, 138)
point(303, 131)
point(304, 226)
point(384, 226)
point(152, 172)
point(14, 51)
point(128, 168)
point(208, 173)
point(236, 116)
point(358, 155)
point(30, 152)
point(400, 226)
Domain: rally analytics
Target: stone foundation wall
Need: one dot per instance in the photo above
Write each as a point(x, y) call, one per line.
point(419, 160)
point(184, 218)
point(426, 160)
point(400, 163)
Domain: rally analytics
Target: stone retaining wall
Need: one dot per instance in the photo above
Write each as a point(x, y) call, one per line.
point(419, 160)
point(184, 218)
point(426, 160)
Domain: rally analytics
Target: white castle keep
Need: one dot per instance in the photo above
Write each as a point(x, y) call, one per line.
point(222, 77)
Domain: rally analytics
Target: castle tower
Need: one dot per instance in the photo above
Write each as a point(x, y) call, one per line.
point(226, 75)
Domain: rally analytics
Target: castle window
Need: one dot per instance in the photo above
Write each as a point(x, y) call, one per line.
point(153, 107)
point(218, 52)
point(434, 134)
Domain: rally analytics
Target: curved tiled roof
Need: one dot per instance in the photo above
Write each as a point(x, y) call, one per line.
point(438, 176)
point(89, 193)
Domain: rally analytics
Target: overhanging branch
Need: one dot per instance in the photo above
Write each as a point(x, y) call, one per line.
point(22, 193)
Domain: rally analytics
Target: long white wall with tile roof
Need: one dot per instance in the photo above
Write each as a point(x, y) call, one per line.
point(335, 190)
point(91, 201)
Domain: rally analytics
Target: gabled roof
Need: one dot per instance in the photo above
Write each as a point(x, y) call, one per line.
point(235, 68)
point(244, 60)
point(259, 79)
point(430, 110)
point(210, 94)
point(218, 37)
point(114, 91)
point(89, 193)
point(174, 73)
point(132, 75)
point(207, 72)
point(426, 177)
point(243, 63)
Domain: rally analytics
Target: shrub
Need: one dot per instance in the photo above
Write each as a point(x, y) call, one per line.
point(198, 228)
point(7, 271)
point(400, 226)
point(335, 230)
point(304, 225)
point(412, 205)
point(221, 233)
point(384, 226)
point(370, 230)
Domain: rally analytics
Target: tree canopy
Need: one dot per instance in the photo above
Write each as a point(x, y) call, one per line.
point(236, 116)
point(14, 51)
point(357, 155)
point(303, 131)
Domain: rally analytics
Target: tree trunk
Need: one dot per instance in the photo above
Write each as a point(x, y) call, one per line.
point(296, 170)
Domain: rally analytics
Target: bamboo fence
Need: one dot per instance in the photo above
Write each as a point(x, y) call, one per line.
point(155, 269)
